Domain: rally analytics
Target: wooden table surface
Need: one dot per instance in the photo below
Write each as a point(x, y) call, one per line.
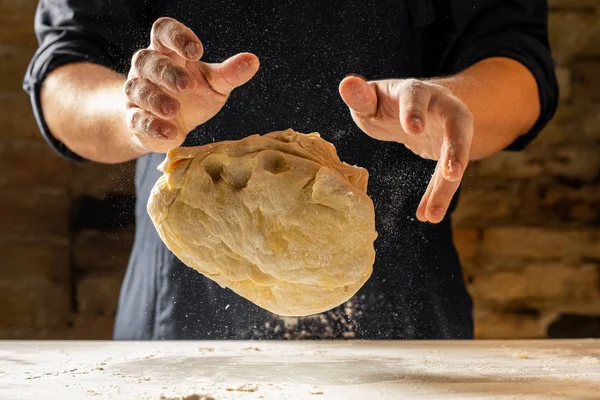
point(301, 370)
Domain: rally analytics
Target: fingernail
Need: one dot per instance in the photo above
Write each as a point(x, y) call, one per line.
point(437, 213)
point(243, 65)
point(453, 170)
point(357, 91)
point(192, 50)
point(417, 124)
point(182, 83)
point(168, 107)
point(164, 133)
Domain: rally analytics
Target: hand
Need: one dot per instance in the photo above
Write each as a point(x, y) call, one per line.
point(427, 119)
point(170, 92)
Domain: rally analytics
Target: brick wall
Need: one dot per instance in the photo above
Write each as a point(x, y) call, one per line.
point(66, 229)
point(527, 226)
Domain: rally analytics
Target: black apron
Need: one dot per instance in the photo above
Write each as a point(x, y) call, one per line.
point(306, 48)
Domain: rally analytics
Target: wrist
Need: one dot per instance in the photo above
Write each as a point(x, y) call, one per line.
point(110, 101)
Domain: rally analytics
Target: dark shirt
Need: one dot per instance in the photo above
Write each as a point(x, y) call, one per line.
point(306, 48)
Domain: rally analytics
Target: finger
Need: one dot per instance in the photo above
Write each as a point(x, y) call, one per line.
point(169, 35)
point(414, 102)
point(148, 96)
point(440, 197)
point(231, 73)
point(359, 96)
point(147, 125)
point(421, 209)
point(457, 122)
point(163, 71)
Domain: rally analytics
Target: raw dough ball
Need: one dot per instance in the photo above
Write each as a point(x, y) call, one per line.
point(278, 219)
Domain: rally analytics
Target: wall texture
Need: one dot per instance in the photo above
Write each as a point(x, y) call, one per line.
point(528, 223)
point(527, 228)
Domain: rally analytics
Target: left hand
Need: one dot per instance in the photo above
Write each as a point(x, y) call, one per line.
point(428, 119)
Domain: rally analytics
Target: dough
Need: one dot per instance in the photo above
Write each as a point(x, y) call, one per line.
point(278, 219)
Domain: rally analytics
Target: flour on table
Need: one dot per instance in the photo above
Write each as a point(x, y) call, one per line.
point(243, 388)
point(189, 397)
point(521, 355)
point(209, 349)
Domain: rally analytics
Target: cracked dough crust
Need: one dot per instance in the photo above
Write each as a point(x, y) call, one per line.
point(278, 219)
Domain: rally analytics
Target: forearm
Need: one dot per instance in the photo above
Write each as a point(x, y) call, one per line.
point(84, 107)
point(502, 95)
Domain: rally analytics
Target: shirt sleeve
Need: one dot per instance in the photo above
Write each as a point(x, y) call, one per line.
point(104, 32)
point(516, 29)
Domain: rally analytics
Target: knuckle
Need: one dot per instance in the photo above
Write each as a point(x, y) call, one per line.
point(129, 122)
point(133, 119)
point(413, 86)
point(160, 68)
point(147, 123)
point(439, 88)
point(444, 90)
point(163, 69)
point(168, 72)
point(153, 126)
point(161, 24)
point(143, 90)
point(463, 113)
point(154, 98)
point(145, 94)
point(148, 120)
point(167, 31)
point(413, 82)
point(129, 87)
point(141, 121)
point(140, 58)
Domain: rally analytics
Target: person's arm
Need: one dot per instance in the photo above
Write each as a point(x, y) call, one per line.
point(103, 117)
point(84, 107)
point(502, 112)
point(468, 116)
point(499, 93)
point(71, 73)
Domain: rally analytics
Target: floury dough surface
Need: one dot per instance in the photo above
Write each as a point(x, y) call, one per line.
point(349, 370)
point(278, 219)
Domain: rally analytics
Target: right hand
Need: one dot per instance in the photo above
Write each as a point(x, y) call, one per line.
point(170, 92)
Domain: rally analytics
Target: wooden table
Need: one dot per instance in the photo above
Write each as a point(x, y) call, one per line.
point(301, 370)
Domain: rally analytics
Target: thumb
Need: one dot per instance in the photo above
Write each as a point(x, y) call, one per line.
point(359, 96)
point(231, 73)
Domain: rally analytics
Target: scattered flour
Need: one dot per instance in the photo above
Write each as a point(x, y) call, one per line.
point(189, 397)
point(521, 355)
point(315, 391)
point(243, 388)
